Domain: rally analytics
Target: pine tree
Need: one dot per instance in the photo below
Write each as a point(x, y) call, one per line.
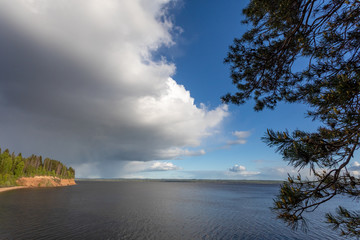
point(12, 168)
point(306, 51)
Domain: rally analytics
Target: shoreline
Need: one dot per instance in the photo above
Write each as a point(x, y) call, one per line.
point(5, 189)
point(45, 181)
point(39, 182)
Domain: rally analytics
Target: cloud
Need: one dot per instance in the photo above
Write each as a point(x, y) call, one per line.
point(281, 173)
point(237, 168)
point(355, 168)
point(241, 170)
point(132, 167)
point(162, 166)
point(240, 138)
point(217, 174)
point(79, 83)
point(178, 152)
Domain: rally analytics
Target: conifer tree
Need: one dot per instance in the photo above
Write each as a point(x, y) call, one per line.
point(12, 168)
point(306, 51)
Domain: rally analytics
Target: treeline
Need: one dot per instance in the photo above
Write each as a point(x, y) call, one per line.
point(13, 167)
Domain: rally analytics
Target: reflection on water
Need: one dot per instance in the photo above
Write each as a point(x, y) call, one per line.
point(150, 210)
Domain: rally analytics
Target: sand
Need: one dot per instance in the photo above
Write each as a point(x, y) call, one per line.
point(39, 181)
point(44, 181)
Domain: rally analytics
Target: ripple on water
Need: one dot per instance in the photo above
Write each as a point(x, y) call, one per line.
point(150, 210)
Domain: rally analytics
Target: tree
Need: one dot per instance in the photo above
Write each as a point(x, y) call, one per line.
point(19, 169)
point(6, 164)
point(306, 51)
point(12, 168)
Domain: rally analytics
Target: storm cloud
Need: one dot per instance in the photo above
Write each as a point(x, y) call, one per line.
point(79, 83)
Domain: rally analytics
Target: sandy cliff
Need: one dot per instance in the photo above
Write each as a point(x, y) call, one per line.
point(44, 181)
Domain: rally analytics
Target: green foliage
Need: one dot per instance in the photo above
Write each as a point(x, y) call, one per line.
point(306, 51)
point(13, 167)
point(19, 170)
point(347, 221)
point(6, 165)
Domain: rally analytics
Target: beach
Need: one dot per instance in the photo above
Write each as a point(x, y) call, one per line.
point(39, 181)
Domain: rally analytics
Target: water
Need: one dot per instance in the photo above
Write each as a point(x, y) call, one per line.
point(151, 210)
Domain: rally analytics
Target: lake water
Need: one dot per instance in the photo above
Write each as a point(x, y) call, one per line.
point(151, 210)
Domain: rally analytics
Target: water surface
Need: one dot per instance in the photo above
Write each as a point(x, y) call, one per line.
point(151, 210)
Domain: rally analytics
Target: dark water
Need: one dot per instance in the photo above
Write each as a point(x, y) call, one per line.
point(150, 210)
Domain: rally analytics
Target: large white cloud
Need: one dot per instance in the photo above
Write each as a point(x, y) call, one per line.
point(79, 83)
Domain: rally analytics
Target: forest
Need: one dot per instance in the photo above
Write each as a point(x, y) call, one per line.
point(13, 167)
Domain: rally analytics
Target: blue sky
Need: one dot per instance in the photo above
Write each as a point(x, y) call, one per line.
point(208, 30)
point(132, 89)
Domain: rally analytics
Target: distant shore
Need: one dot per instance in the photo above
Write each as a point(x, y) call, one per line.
point(227, 181)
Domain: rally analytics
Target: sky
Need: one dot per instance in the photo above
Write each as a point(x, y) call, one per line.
point(131, 89)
